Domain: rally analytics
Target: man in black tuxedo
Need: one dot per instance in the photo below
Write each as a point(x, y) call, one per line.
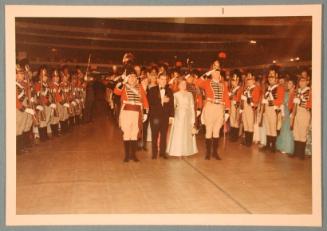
point(161, 113)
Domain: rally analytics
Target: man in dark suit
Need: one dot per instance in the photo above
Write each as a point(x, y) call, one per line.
point(161, 113)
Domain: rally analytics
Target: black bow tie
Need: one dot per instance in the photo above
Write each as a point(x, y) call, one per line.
point(162, 88)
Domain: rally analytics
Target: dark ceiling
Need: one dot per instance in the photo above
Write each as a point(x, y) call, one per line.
point(168, 39)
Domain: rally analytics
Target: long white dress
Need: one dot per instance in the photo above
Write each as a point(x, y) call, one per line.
point(181, 140)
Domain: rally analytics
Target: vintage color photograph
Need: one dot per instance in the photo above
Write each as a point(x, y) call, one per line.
point(164, 115)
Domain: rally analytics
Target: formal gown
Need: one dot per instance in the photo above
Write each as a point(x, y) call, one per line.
point(181, 140)
point(308, 147)
point(285, 141)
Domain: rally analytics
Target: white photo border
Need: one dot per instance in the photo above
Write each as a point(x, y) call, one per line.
point(310, 220)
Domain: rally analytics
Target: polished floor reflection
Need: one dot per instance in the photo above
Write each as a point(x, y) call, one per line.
point(83, 172)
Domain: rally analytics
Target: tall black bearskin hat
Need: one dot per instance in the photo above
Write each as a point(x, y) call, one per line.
point(128, 58)
point(293, 78)
point(236, 74)
point(275, 68)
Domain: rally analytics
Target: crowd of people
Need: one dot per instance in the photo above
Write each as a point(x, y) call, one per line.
point(49, 104)
point(174, 105)
point(273, 111)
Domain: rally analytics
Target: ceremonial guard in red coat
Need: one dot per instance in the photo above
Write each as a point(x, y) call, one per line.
point(32, 118)
point(43, 96)
point(76, 99)
point(65, 109)
point(81, 87)
point(134, 110)
point(56, 99)
point(300, 105)
point(22, 110)
point(235, 93)
point(216, 108)
point(249, 103)
point(271, 109)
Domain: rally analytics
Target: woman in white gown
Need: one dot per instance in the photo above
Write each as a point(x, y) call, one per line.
point(182, 140)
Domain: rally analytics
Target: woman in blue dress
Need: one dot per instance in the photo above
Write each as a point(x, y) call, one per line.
point(285, 141)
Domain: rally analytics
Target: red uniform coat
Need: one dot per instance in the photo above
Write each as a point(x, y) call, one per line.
point(43, 97)
point(209, 92)
point(123, 95)
point(56, 92)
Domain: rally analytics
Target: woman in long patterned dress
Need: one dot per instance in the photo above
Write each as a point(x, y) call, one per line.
point(285, 141)
point(182, 138)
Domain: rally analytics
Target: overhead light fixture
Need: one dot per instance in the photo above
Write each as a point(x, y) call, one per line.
point(292, 60)
point(53, 49)
point(297, 58)
point(253, 41)
point(274, 61)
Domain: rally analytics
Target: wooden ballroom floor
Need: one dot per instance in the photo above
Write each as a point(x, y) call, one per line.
point(83, 172)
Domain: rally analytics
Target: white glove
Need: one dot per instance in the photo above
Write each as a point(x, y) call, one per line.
point(54, 106)
point(74, 103)
point(171, 120)
point(229, 93)
point(30, 111)
point(124, 76)
point(66, 105)
point(194, 131)
point(264, 101)
point(39, 107)
point(145, 117)
point(32, 100)
point(77, 100)
point(119, 84)
point(296, 100)
point(198, 112)
point(241, 111)
point(243, 97)
point(226, 116)
point(282, 113)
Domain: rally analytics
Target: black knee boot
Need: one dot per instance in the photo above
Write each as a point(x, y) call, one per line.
point(301, 149)
point(43, 134)
point(133, 148)
point(215, 148)
point(296, 149)
point(267, 146)
point(247, 140)
point(236, 131)
point(66, 123)
point(26, 140)
point(71, 122)
point(250, 139)
point(55, 129)
point(46, 133)
point(273, 144)
point(19, 144)
point(232, 134)
point(62, 127)
point(77, 120)
point(127, 150)
point(208, 148)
